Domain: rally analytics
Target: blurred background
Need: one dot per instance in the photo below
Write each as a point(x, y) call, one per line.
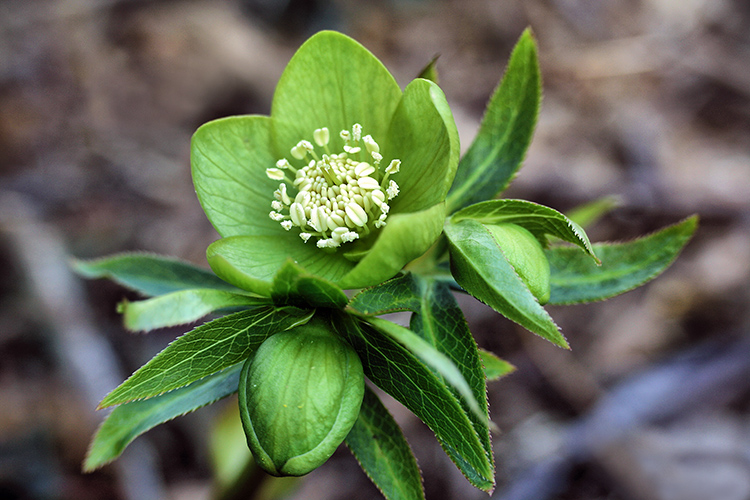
point(646, 100)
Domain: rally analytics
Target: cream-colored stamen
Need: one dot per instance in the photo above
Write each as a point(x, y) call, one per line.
point(339, 197)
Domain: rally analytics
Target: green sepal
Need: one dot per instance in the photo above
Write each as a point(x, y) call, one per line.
point(251, 262)
point(181, 307)
point(382, 356)
point(430, 72)
point(300, 394)
point(228, 158)
point(496, 154)
point(130, 420)
point(209, 348)
point(149, 274)
point(332, 81)
point(424, 137)
point(381, 449)
point(406, 237)
point(293, 286)
point(625, 266)
point(480, 268)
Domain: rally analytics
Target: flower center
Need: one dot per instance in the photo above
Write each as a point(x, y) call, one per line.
point(339, 197)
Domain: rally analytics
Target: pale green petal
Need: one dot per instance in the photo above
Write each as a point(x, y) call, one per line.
point(229, 159)
point(332, 81)
point(251, 262)
point(423, 136)
point(406, 237)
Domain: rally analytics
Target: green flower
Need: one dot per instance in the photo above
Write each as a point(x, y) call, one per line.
point(347, 177)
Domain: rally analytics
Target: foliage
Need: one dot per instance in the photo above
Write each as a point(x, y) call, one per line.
point(387, 210)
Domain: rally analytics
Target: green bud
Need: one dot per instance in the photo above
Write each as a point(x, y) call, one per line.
point(300, 395)
point(525, 254)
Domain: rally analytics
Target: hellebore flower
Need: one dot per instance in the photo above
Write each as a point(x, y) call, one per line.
point(347, 177)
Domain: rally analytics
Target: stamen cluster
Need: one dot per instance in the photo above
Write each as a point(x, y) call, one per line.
point(339, 197)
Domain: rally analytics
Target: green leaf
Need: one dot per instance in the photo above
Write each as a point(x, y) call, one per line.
point(401, 293)
point(229, 158)
point(130, 420)
point(624, 265)
point(481, 269)
point(505, 133)
point(378, 444)
point(494, 367)
point(400, 373)
point(150, 274)
point(430, 72)
point(588, 213)
point(207, 349)
point(537, 219)
point(424, 134)
point(293, 286)
point(440, 322)
point(436, 360)
point(178, 308)
point(332, 81)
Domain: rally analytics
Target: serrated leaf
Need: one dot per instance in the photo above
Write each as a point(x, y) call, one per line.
point(494, 367)
point(178, 308)
point(130, 420)
point(400, 373)
point(430, 356)
point(378, 444)
point(624, 265)
point(292, 285)
point(398, 294)
point(505, 133)
point(207, 349)
point(537, 219)
point(439, 321)
point(481, 269)
point(150, 275)
point(588, 213)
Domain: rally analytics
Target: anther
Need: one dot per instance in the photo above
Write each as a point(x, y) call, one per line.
point(356, 214)
point(392, 190)
point(368, 183)
point(363, 168)
point(321, 136)
point(370, 144)
point(393, 167)
point(275, 174)
point(297, 213)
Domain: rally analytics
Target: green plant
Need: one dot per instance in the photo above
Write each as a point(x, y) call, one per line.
point(352, 184)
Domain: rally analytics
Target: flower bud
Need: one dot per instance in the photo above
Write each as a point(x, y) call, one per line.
point(525, 254)
point(300, 395)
